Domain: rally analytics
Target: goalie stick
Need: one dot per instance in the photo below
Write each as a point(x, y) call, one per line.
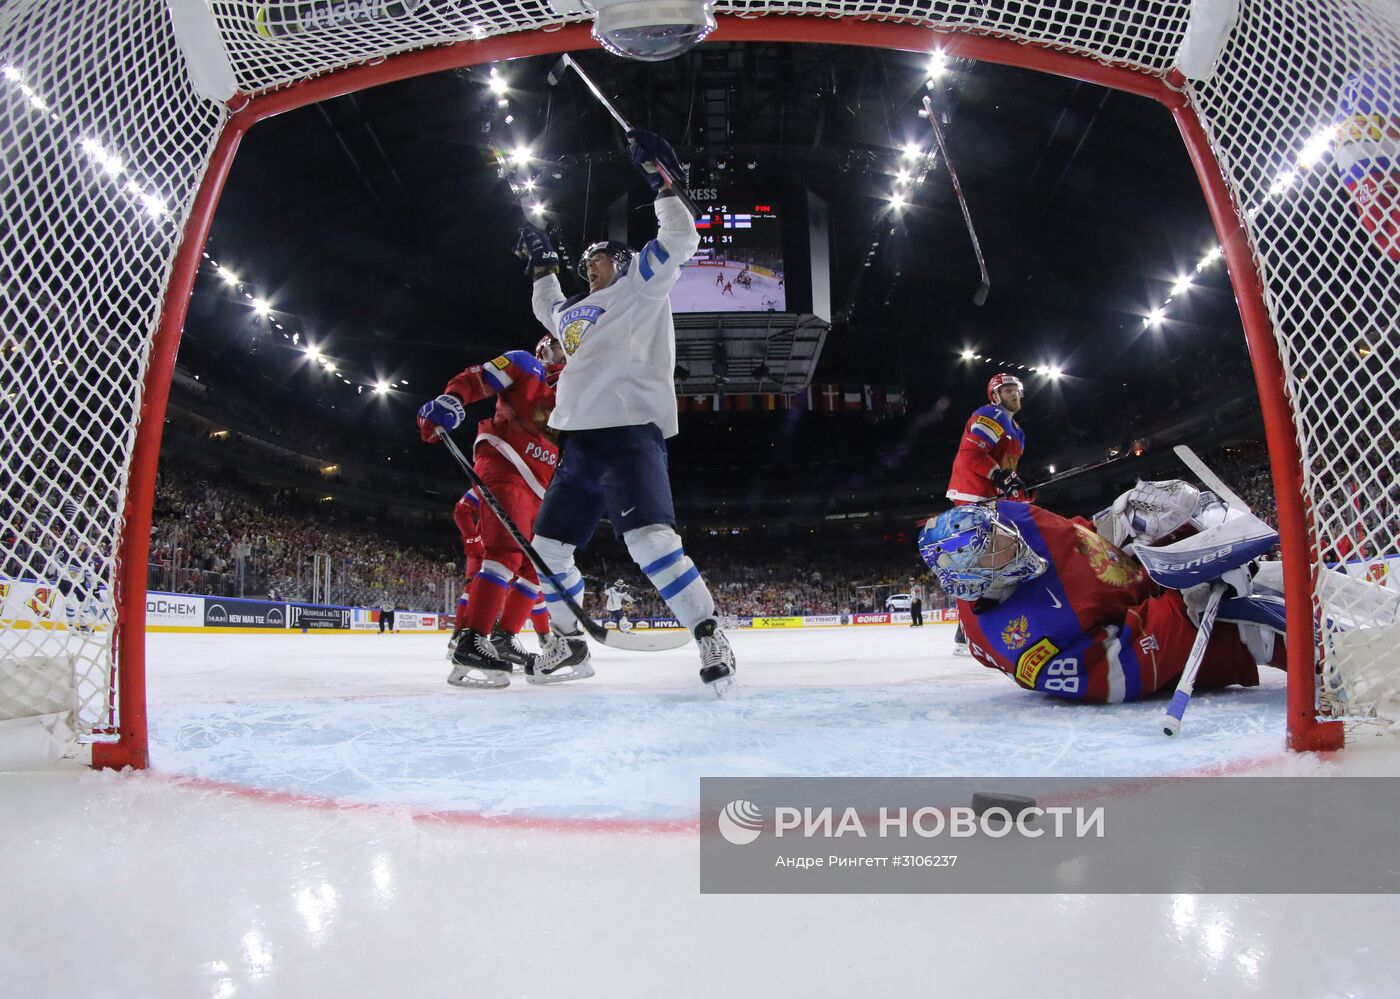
point(1171, 719)
point(565, 63)
point(980, 298)
point(632, 641)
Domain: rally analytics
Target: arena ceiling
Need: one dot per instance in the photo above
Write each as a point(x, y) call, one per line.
point(379, 226)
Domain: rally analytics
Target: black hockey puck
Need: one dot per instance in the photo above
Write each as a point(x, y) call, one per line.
point(1015, 804)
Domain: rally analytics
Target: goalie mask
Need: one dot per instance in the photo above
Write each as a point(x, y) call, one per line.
point(620, 253)
point(975, 552)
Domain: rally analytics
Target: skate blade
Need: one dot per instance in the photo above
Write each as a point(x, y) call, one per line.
point(479, 679)
point(726, 688)
point(580, 672)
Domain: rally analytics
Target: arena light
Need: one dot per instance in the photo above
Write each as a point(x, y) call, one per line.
point(262, 306)
point(1050, 469)
point(1214, 254)
point(897, 200)
point(229, 277)
point(381, 387)
point(538, 208)
point(967, 354)
point(937, 64)
point(530, 184)
point(903, 176)
point(1155, 317)
point(1053, 372)
point(313, 352)
point(912, 150)
point(498, 83)
point(1181, 285)
point(520, 156)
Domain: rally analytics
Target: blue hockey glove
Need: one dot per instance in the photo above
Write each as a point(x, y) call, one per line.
point(445, 411)
point(648, 149)
point(534, 246)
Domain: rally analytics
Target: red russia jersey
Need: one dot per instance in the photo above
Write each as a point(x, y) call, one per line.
point(524, 391)
point(991, 440)
point(1094, 627)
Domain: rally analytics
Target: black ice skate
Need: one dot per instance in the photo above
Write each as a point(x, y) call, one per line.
point(508, 647)
point(717, 666)
point(565, 657)
point(476, 664)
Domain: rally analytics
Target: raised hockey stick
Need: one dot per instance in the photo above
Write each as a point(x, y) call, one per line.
point(1137, 449)
point(981, 297)
point(1171, 720)
point(567, 62)
point(633, 641)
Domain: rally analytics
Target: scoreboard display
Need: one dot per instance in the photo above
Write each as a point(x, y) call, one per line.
point(739, 265)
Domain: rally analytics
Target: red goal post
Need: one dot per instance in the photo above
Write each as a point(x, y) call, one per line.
point(115, 176)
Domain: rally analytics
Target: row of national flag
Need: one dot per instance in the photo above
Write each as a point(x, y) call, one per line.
point(817, 398)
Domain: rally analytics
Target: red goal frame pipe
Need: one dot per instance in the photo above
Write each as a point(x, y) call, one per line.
point(1304, 730)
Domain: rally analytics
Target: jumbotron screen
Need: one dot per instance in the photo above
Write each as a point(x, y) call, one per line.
point(739, 266)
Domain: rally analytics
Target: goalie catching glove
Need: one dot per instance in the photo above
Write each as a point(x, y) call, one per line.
point(445, 412)
point(534, 247)
point(649, 149)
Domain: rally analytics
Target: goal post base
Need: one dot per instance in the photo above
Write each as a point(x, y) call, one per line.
point(1317, 737)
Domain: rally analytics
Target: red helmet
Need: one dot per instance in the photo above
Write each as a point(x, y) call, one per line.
point(999, 382)
point(544, 349)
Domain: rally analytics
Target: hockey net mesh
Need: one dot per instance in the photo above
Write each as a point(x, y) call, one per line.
point(105, 142)
point(103, 145)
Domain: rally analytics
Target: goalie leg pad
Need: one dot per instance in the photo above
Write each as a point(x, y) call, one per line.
point(657, 549)
point(1260, 619)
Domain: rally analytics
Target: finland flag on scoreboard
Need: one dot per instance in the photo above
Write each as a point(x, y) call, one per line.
point(738, 221)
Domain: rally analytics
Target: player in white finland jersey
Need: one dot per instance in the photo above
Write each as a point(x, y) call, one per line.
point(618, 596)
point(616, 403)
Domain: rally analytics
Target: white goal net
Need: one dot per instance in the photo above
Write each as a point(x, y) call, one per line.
point(107, 132)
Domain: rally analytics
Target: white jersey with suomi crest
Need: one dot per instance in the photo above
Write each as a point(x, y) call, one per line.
point(621, 341)
point(617, 597)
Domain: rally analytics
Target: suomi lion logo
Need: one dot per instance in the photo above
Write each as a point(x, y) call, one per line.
point(575, 323)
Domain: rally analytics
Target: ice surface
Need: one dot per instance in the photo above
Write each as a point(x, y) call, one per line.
point(325, 817)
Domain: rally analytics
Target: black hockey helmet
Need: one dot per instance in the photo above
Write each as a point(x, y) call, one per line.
point(621, 255)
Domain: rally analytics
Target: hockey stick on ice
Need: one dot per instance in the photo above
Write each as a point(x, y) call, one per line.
point(981, 297)
point(1171, 720)
point(633, 641)
point(565, 63)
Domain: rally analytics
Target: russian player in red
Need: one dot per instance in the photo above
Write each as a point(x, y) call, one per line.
point(1053, 605)
point(991, 447)
point(515, 454)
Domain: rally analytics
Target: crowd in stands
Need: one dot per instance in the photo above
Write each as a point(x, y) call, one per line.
point(201, 527)
point(751, 579)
